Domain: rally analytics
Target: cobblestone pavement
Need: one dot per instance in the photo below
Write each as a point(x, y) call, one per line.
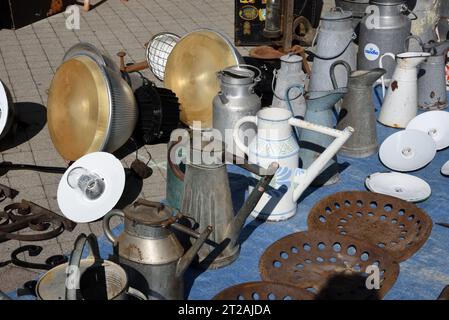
point(28, 59)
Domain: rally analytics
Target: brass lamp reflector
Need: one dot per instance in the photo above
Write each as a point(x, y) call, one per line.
point(90, 108)
point(191, 73)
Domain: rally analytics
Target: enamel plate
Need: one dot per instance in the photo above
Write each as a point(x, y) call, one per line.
point(399, 185)
point(435, 124)
point(407, 150)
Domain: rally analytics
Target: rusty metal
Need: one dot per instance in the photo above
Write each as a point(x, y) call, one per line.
point(20, 216)
point(325, 262)
point(264, 291)
point(390, 223)
point(444, 295)
point(131, 67)
point(7, 192)
point(34, 251)
point(270, 53)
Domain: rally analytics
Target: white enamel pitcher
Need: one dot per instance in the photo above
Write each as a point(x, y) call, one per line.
point(400, 105)
point(275, 142)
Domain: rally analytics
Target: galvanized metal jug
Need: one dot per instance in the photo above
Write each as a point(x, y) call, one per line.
point(320, 105)
point(358, 112)
point(149, 250)
point(383, 31)
point(207, 200)
point(424, 27)
point(401, 102)
point(290, 74)
point(236, 98)
point(443, 24)
point(275, 141)
point(432, 94)
point(334, 42)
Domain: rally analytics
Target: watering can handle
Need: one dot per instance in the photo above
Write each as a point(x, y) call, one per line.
point(332, 71)
point(235, 133)
point(106, 225)
point(317, 166)
point(389, 54)
point(73, 272)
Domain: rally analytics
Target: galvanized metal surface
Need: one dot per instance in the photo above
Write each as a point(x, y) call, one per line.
point(428, 16)
point(334, 42)
point(330, 264)
point(290, 74)
point(388, 36)
point(320, 105)
point(392, 224)
point(358, 8)
point(236, 99)
point(207, 199)
point(150, 251)
point(357, 111)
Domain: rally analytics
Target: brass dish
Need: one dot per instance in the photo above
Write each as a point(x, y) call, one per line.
point(191, 73)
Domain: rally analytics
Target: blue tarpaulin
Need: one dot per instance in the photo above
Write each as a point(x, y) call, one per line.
point(421, 277)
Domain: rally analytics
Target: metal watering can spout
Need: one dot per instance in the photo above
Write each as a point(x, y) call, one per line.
point(235, 227)
point(187, 259)
point(305, 179)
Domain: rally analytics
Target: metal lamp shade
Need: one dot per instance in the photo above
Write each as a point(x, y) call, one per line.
point(90, 108)
point(191, 73)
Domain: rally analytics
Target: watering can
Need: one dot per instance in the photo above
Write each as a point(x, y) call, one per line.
point(432, 93)
point(149, 250)
point(91, 278)
point(275, 142)
point(320, 106)
point(400, 105)
point(207, 200)
point(290, 74)
point(358, 112)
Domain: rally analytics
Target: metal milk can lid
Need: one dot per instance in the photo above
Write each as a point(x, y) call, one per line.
point(337, 14)
point(237, 75)
point(149, 213)
point(388, 2)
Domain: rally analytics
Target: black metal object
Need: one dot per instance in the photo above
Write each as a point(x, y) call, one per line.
point(158, 112)
point(6, 166)
point(19, 216)
point(250, 19)
point(15, 14)
point(7, 192)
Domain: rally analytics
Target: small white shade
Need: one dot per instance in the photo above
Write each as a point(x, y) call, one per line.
point(75, 206)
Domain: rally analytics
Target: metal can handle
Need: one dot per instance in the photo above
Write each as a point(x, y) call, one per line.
point(406, 9)
point(332, 71)
point(235, 133)
point(73, 272)
point(106, 224)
